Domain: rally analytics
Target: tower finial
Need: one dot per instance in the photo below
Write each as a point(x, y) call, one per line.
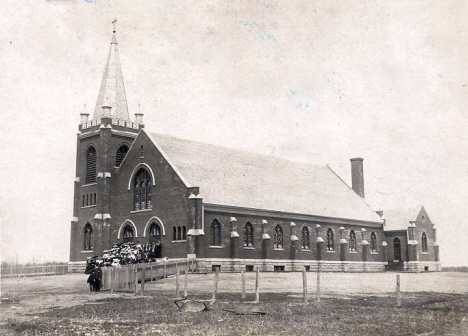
point(114, 23)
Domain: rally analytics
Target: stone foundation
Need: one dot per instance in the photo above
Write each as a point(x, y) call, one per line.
point(271, 265)
point(424, 266)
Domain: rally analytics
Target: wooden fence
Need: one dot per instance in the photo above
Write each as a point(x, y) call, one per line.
point(19, 271)
point(126, 278)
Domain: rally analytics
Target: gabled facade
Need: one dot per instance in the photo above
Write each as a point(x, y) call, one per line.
point(228, 208)
point(414, 248)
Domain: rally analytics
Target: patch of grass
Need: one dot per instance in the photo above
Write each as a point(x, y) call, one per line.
point(156, 314)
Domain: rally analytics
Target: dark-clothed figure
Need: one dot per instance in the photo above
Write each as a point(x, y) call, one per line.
point(97, 279)
point(92, 280)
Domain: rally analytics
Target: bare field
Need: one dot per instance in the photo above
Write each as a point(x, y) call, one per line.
point(352, 304)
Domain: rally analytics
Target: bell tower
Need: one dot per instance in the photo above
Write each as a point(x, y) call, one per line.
point(102, 143)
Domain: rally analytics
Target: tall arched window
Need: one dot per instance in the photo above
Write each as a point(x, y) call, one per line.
point(396, 250)
point(128, 233)
point(174, 233)
point(154, 232)
point(248, 235)
point(142, 190)
point(330, 240)
point(184, 233)
point(120, 155)
point(424, 242)
point(352, 241)
point(215, 233)
point(88, 237)
point(373, 242)
point(305, 238)
point(278, 241)
point(91, 167)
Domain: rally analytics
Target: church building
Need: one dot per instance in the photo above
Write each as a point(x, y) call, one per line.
point(230, 209)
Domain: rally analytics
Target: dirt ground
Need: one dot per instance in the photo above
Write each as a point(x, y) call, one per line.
point(28, 300)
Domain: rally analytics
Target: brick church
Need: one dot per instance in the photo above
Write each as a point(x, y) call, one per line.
point(228, 208)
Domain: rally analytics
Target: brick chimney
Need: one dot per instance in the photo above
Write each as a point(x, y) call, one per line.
point(357, 175)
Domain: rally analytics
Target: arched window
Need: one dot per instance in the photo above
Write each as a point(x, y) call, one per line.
point(248, 235)
point(174, 233)
point(179, 233)
point(184, 233)
point(154, 232)
point(330, 240)
point(87, 200)
point(120, 155)
point(88, 237)
point(83, 203)
point(305, 238)
point(373, 242)
point(143, 195)
point(424, 242)
point(278, 241)
point(352, 241)
point(91, 157)
point(128, 233)
point(396, 250)
point(215, 233)
point(142, 190)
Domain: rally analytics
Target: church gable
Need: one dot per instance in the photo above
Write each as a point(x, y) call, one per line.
point(143, 154)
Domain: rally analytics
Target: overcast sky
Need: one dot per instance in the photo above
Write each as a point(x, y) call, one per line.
point(316, 81)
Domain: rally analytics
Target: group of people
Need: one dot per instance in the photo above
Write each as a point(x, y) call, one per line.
point(95, 279)
point(121, 254)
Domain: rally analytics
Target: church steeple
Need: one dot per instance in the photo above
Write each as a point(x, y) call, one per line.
point(112, 91)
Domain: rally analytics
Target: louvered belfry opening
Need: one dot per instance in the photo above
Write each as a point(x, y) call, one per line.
point(121, 152)
point(91, 165)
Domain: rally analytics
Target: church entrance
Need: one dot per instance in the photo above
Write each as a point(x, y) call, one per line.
point(396, 250)
point(155, 240)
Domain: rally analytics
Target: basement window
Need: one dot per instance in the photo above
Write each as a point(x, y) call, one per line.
point(278, 268)
point(249, 268)
point(215, 268)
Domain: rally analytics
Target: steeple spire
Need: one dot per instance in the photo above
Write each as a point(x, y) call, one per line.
point(112, 91)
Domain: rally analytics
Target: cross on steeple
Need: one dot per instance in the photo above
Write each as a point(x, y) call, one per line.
point(114, 23)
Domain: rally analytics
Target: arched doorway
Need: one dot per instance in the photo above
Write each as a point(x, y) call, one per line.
point(128, 234)
point(154, 233)
point(396, 250)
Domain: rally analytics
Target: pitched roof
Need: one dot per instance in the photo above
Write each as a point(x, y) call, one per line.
point(112, 91)
point(239, 178)
point(398, 219)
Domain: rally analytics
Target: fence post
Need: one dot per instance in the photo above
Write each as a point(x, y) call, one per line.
point(136, 278)
point(143, 279)
point(304, 283)
point(319, 270)
point(112, 280)
point(164, 271)
point(243, 284)
point(215, 287)
point(398, 292)
point(151, 274)
point(177, 282)
point(186, 281)
point(257, 285)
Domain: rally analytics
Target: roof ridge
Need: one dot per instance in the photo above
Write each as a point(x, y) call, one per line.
point(241, 150)
point(350, 188)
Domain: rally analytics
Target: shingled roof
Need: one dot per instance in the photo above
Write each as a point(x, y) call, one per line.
point(239, 178)
point(112, 90)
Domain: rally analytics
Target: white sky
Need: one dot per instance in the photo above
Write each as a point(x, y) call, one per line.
point(318, 81)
